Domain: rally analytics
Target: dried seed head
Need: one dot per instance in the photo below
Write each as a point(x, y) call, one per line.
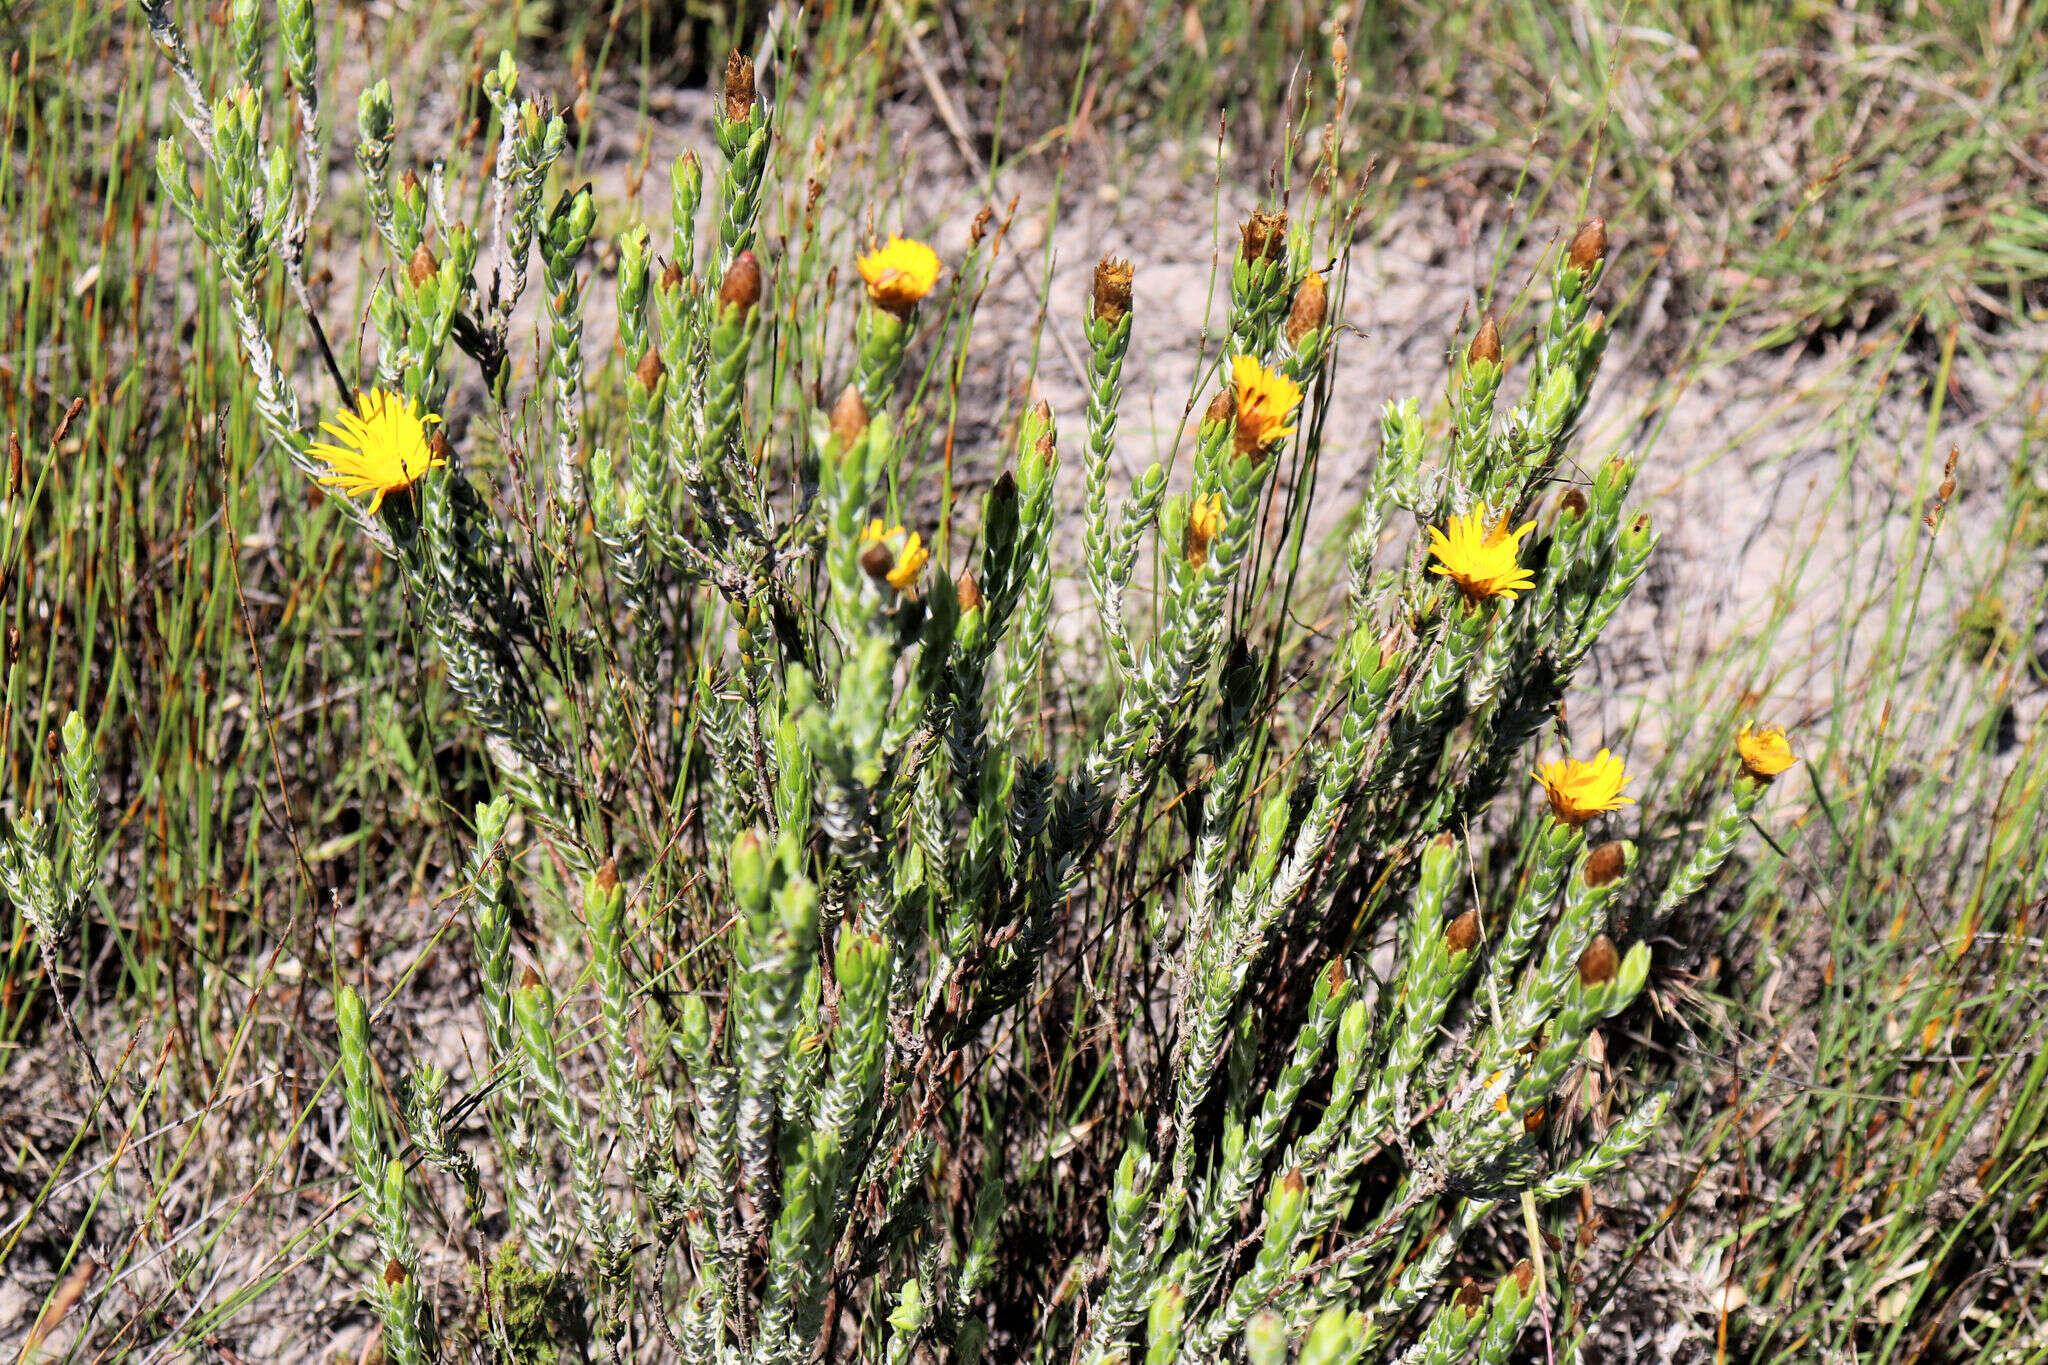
point(968, 592)
point(1265, 237)
point(1111, 296)
point(1222, 408)
point(394, 1273)
point(650, 369)
point(739, 88)
point(876, 561)
point(422, 267)
point(1311, 304)
point(1572, 503)
point(1462, 934)
point(671, 276)
point(849, 416)
point(1486, 345)
point(742, 287)
point(608, 875)
point(1605, 863)
point(1599, 963)
point(1589, 245)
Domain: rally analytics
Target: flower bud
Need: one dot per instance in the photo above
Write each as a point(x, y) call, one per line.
point(742, 287)
point(876, 561)
point(739, 88)
point(1265, 237)
point(1486, 345)
point(650, 369)
point(394, 1273)
point(1110, 298)
point(1589, 246)
point(1605, 863)
point(1471, 1300)
point(1599, 963)
point(422, 267)
point(1524, 1276)
point(671, 276)
point(1311, 304)
point(1222, 408)
point(967, 592)
point(1462, 934)
point(608, 875)
point(529, 980)
point(849, 416)
point(1572, 503)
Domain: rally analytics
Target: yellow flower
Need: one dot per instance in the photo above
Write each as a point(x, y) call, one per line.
point(1481, 558)
point(1205, 519)
point(899, 273)
point(1579, 791)
point(1765, 752)
point(1265, 400)
point(382, 446)
point(901, 565)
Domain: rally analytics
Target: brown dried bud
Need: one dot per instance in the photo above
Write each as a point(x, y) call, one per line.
point(422, 267)
point(1111, 296)
point(1589, 245)
point(742, 287)
point(1533, 1120)
point(1005, 489)
point(1222, 408)
point(739, 88)
point(1336, 975)
point(409, 182)
point(968, 592)
point(1265, 236)
point(1525, 1276)
point(13, 645)
point(1572, 503)
point(437, 446)
point(14, 463)
point(1311, 304)
point(650, 369)
point(1485, 346)
point(1605, 863)
point(1472, 1299)
point(978, 229)
point(1599, 962)
point(608, 875)
point(849, 416)
point(529, 980)
point(671, 276)
point(394, 1273)
point(1462, 934)
point(876, 561)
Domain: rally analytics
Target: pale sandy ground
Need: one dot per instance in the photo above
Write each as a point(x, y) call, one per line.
point(1750, 467)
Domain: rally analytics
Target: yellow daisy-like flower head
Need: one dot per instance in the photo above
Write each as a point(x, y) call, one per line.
point(1205, 519)
point(1481, 556)
point(892, 556)
point(1579, 791)
point(899, 273)
point(1265, 400)
point(1765, 751)
point(380, 448)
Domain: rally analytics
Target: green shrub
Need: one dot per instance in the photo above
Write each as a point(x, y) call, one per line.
point(810, 849)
